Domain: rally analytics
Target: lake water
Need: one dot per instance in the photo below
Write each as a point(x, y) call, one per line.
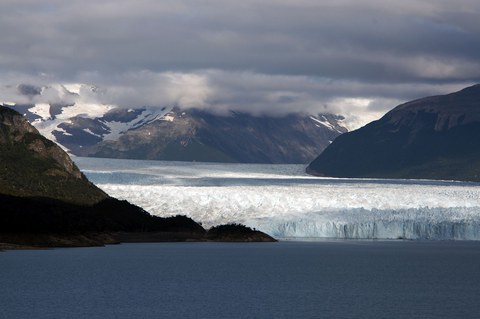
point(326, 279)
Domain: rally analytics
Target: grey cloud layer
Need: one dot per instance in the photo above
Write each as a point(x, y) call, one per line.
point(259, 55)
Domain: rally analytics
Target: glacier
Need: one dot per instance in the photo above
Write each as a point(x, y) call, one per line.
point(284, 202)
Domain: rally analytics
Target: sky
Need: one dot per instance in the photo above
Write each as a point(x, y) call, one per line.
point(358, 58)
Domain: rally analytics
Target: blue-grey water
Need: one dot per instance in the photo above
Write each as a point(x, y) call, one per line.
point(336, 279)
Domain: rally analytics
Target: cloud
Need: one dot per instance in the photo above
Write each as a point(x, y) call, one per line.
point(261, 56)
point(146, 88)
point(220, 91)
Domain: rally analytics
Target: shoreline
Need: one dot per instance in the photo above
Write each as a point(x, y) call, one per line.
point(40, 241)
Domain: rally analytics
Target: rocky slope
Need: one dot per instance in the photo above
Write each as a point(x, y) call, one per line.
point(432, 138)
point(33, 166)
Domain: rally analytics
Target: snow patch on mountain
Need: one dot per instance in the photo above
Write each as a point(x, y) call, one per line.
point(87, 130)
point(334, 123)
point(48, 123)
point(117, 128)
point(42, 110)
point(169, 117)
point(324, 121)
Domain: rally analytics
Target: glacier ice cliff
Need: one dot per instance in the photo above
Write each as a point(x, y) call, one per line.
point(285, 203)
point(455, 223)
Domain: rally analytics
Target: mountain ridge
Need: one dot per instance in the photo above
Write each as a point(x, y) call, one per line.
point(87, 128)
point(428, 138)
point(197, 135)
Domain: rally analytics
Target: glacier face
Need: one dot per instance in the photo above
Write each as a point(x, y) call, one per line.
point(285, 202)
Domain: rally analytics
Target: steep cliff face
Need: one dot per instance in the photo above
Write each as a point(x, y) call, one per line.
point(434, 138)
point(33, 166)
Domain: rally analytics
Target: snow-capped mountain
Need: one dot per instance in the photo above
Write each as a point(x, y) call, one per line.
point(77, 123)
point(85, 127)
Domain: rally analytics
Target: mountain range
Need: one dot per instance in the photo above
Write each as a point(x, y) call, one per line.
point(170, 133)
point(432, 137)
point(435, 137)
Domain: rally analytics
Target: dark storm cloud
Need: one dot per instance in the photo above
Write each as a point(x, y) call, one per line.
point(263, 56)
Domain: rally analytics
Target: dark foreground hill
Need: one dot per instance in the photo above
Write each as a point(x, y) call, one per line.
point(47, 222)
point(31, 165)
point(433, 138)
point(46, 201)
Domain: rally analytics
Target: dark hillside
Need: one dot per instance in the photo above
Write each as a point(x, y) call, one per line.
point(31, 165)
point(432, 138)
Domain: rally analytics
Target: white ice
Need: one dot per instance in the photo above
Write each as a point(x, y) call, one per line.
point(285, 202)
